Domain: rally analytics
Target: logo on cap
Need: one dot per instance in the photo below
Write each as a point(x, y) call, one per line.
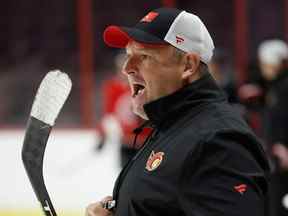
point(154, 160)
point(149, 17)
point(179, 39)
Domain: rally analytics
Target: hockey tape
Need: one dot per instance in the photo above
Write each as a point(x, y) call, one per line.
point(51, 96)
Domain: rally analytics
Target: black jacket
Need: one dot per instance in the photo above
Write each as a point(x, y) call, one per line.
point(201, 160)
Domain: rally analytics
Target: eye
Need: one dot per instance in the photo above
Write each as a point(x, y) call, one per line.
point(144, 56)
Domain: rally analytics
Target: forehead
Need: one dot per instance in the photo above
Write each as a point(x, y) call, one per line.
point(133, 46)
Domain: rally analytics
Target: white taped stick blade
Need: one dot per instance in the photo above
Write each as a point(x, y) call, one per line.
point(51, 95)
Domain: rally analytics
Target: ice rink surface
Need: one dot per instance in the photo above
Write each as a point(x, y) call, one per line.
point(75, 173)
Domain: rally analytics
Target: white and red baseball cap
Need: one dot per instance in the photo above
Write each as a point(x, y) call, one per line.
point(165, 26)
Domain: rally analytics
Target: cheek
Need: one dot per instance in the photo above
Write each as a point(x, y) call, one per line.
point(149, 72)
point(170, 75)
point(153, 77)
point(160, 75)
point(163, 82)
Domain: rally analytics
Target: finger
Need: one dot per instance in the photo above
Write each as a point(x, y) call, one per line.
point(106, 199)
point(91, 209)
point(88, 211)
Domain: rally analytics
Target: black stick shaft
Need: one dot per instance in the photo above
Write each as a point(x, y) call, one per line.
point(36, 137)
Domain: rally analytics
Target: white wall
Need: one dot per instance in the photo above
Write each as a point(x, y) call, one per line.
point(74, 173)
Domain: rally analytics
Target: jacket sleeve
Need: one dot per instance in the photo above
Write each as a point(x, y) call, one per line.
point(224, 178)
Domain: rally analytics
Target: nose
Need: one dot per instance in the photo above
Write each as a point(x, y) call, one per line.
point(130, 66)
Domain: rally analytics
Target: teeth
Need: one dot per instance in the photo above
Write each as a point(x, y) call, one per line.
point(138, 91)
point(141, 91)
point(137, 88)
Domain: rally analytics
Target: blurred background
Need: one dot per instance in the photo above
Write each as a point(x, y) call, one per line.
point(82, 158)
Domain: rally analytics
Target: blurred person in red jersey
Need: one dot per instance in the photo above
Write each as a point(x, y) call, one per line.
point(117, 108)
point(273, 59)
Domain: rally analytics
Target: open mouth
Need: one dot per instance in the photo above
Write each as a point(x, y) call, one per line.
point(137, 89)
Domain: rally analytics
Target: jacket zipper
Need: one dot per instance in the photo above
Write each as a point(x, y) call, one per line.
point(127, 167)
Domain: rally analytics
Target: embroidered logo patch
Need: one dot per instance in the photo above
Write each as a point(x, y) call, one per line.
point(154, 160)
point(149, 17)
point(179, 39)
point(241, 188)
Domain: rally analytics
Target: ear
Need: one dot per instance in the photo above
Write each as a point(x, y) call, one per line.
point(192, 63)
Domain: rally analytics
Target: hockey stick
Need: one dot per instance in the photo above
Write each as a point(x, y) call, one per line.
point(51, 95)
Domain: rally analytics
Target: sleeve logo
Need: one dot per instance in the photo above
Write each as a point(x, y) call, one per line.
point(241, 188)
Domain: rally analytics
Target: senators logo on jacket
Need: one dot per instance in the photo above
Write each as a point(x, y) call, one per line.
point(154, 160)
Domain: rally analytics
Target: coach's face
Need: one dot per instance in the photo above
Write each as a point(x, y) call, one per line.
point(152, 72)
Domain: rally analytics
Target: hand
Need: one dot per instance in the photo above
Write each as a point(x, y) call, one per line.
point(96, 209)
point(281, 153)
point(249, 91)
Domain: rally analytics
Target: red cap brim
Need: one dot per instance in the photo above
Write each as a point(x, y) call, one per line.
point(114, 36)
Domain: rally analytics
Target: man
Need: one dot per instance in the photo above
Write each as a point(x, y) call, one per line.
point(273, 57)
point(201, 158)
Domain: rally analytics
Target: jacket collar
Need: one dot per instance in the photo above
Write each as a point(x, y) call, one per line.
point(171, 107)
